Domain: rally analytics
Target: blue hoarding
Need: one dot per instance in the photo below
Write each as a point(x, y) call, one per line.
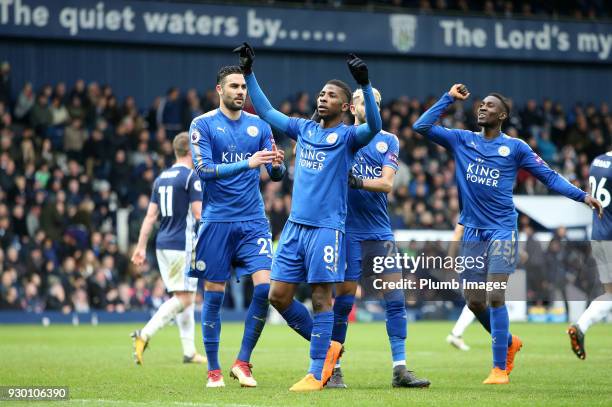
point(150, 22)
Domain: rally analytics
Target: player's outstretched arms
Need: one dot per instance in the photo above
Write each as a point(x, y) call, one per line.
point(425, 123)
point(373, 124)
point(595, 205)
point(532, 162)
point(261, 103)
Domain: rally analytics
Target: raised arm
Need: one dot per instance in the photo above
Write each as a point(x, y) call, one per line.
point(202, 156)
point(263, 107)
point(373, 124)
point(532, 162)
point(439, 134)
point(261, 104)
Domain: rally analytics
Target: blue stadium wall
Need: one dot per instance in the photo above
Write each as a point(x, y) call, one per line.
point(147, 71)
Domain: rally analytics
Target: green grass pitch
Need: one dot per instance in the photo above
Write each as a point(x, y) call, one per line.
point(96, 363)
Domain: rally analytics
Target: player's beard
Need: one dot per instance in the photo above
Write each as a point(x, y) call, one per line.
point(232, 105)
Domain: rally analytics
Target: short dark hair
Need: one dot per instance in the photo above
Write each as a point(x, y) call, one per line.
point(504, 100)
point(346, 89)
point(226, 71)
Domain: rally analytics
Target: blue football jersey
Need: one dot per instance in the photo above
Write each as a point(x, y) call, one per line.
point(219, 140)
point(600, 180)
point(367, 211)
point(173, 191)
point(486, 170)
point(322, 162)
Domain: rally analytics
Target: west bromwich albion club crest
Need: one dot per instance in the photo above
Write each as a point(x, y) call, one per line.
point(403, 31)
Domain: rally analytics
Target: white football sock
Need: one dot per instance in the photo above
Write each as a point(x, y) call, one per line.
point(465, 319)
point(599, 308)
point(399, 363)
point(186, 326)
point(162, 317)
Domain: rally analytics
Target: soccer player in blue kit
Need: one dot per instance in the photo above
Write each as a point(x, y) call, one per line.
point(229, 145)
point(600, 181)
point(311, 246)
point(177, 195)
point(367, 220)
point(486, 168)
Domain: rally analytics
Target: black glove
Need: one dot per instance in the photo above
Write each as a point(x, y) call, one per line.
point(358, 69)
point(354, 182)
point(247, 56)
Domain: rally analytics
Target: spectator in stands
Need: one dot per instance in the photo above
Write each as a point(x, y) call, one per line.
point(80, 301)
point(56, 300)
point(5, 83)
point(25, 101)
point(10, 302)
point(192, 108)
point(40, 115)
point(32, 302)
point(75, 109)
point(74, 139)
point(169, 113)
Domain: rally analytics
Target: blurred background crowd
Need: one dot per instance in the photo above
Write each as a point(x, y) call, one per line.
point(73, 155)
point(581, 9)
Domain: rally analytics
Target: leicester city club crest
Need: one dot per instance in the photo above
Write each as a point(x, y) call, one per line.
point(382, 147)
point(331, 138)
point(252, 131)
point(504, 151)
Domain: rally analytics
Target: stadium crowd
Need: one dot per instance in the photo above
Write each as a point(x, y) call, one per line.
point(576, 9)
point(72, 156)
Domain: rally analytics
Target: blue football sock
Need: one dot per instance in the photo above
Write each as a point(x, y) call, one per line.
point(255, 321)
point(500, 325)
point(484, 318)
point(397, 324)
point(211, 326)
point(298, 318)
point(342, 308)
point(320, 339)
